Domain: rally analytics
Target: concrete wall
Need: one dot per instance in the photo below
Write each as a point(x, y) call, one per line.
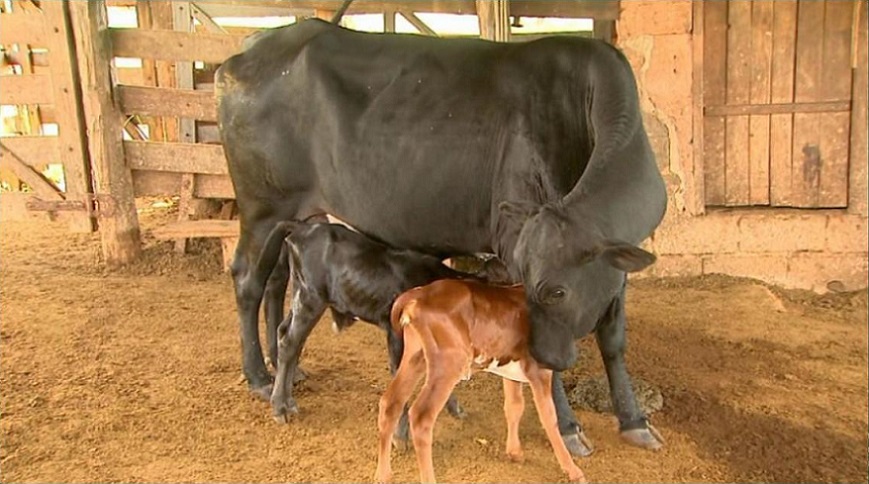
point(819, 250)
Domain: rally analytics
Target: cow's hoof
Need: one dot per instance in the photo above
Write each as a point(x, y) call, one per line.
point(282, 413)
point(578, 444)
point(649, 438)
point(261, 393)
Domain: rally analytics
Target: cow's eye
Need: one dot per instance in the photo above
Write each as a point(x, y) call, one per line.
point(553, 296)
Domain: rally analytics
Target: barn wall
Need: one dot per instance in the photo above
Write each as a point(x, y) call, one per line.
point(819, 250)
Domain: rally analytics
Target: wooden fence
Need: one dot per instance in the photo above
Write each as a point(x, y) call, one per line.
point(165, 109)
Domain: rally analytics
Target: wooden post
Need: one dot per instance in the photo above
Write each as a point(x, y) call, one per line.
point(158, 15)
point(72, 141)
point(182, 20)
point(119, 229)
point(859, 170)
point(494, 17)
point(324, 14)
point(389, 21)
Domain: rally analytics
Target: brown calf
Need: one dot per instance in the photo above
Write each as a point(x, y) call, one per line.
point(453, 328)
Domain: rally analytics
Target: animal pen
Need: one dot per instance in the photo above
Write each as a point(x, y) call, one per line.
point(756, 111)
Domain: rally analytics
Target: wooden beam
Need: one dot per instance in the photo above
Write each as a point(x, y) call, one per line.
point(389, 21)
point(858, 189)
point(120, 237)
point(175, 46)
point(206, 20)
point(417, 23)
point(695, 200)
point(164, 183)
point(176, 157)
point(22, 28)
point(779, 108)
point(596, 9)
point(197, 228)
point(494, 19)
point(27, 174)
point(33, 150)
point(183, 22)
point(27, 89)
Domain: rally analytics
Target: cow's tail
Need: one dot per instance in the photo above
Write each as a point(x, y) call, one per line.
point(272, 247)
point(403, 311)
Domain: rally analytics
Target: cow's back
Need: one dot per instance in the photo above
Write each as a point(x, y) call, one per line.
point(409, 139)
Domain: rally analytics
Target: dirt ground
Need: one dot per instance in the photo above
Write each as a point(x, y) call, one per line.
point(133, 376)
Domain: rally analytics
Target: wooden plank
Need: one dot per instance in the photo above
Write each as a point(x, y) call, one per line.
point(761, 70)
point(164, 183)
point(27, 174)
point(494, 20)
point(72, 129)
point(159, 101)
point(714, 93)
point(241, 9)
point(835, 85)
point(736, 183)
point(35, 151)
point(779, 108)
point(858, 199)
point(324, 14)
point(782, 92)
point(417, 23)
point(214, 186)
point(174, 46)
point(176, 157)
point(807, 153)
point(197, 228)
point(119, 233)
point(29, 89)
point(22, 28)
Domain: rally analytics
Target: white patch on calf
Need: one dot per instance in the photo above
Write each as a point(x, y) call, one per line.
point(511, 371)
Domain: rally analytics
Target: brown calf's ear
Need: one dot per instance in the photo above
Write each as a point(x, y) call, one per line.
point(518, 211)
point(627, 257)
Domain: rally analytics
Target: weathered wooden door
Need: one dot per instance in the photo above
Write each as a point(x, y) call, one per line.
point(38, 75)
point(777, 102)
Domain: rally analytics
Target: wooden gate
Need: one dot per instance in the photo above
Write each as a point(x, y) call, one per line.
point(777, 97)
point(39, 78)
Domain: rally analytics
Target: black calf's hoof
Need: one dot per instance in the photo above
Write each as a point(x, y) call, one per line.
point(299, 375)
point(649, 438)
point(457, 411)
point(282, 413)
point(261, 393)
point(578, 444)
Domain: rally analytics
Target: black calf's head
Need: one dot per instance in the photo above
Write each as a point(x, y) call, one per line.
point(571, 274)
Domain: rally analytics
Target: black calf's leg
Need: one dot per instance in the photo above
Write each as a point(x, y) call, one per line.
point(293, 331)
point(249, 290)
point(610, 335)
point(275, 295)
point(568, 425)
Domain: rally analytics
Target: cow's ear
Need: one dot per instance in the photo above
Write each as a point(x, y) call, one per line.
point(626, 257)
point(518, 211)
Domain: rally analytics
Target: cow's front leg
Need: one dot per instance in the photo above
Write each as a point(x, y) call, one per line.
point(568, 426)
point(610, 335)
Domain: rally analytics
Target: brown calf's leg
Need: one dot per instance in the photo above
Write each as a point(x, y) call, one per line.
point(443, 373)
point(392, 403)
point(514, 406)
point(541, 388)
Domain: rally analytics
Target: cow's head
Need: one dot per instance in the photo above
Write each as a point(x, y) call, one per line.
point(571, 274)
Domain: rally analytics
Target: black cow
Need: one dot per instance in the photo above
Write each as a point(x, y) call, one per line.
point(532, 151)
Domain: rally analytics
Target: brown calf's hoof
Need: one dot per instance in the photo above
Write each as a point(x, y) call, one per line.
point(578, 444)
point(649, 438)
point(577, 476)
point(516, 456)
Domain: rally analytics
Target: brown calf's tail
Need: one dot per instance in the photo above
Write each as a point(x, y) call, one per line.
point(400, 317)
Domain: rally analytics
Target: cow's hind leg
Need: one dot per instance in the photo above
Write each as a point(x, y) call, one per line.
point(568, 426)
point(610, 334)
point(249, 288)
point(293, 332)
